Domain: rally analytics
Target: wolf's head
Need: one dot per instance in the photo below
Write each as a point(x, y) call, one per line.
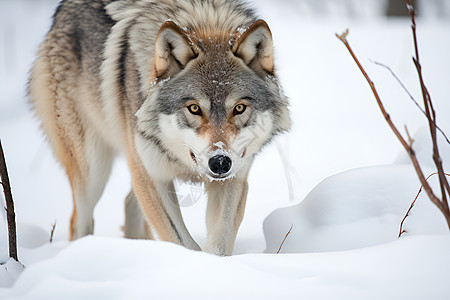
point(216, 99)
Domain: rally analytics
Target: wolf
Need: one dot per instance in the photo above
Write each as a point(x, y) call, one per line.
point(185, 89)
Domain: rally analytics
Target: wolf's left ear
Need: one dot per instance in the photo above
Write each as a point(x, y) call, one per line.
point(255, 47)
point(172, 50)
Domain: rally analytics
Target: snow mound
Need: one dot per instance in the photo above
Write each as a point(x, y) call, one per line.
point(9, 272)
point(354, 209)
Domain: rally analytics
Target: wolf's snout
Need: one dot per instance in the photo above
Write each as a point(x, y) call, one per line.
point(219, 164)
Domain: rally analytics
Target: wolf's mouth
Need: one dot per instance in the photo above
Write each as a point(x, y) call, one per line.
point(215, 177)
point(244, 152)
point(193, 156)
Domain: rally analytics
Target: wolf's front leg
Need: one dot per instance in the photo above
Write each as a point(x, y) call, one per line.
point(160, 206)
point(226, 205)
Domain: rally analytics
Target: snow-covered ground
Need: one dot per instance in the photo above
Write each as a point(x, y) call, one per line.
point(340, 178)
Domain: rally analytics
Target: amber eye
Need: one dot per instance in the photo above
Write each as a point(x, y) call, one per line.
point(239, 109)
point(194, 109)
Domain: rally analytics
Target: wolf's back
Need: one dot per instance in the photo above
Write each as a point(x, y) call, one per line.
point(79, 31)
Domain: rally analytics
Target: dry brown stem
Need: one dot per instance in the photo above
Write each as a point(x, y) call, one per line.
point(431, 116)
point(52, 231)
point(279, 249)
point(412, 205)
point(10, 214)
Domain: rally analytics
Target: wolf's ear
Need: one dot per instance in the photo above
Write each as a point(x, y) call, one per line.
point(172, 50)
point(255, 47)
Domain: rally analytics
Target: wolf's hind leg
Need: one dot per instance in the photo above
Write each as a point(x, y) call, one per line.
point(136, 227)
point(55, 94)
point(88, 184)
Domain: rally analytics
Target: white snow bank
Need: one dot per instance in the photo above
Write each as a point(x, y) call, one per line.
point(9, 272)
point(112, 268)
point(354, 209)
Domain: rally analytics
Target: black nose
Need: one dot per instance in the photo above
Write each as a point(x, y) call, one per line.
point(219, 164)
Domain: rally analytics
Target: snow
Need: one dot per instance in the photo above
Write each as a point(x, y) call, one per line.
point(111, 268)
point(340, 178)
point(10, 271)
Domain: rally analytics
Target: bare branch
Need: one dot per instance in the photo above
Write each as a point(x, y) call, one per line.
point(52, 232)
point(10, 214)
point(410, 139)
point(443, 182)
point(412, 205)
point(279, 249)
point(406, 146)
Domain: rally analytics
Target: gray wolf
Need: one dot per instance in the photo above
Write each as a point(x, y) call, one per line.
point(184, 88)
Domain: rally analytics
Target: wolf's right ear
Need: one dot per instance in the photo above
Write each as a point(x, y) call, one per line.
point(172, 50)
point(255, 47)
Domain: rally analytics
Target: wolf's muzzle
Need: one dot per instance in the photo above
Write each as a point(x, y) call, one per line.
point(219, 164)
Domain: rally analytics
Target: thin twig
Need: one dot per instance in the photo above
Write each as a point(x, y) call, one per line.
point(10, 214)
point(279, 249)
point(410, 139)
point(52, 232)
point(411, 97)
point(412, 205)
